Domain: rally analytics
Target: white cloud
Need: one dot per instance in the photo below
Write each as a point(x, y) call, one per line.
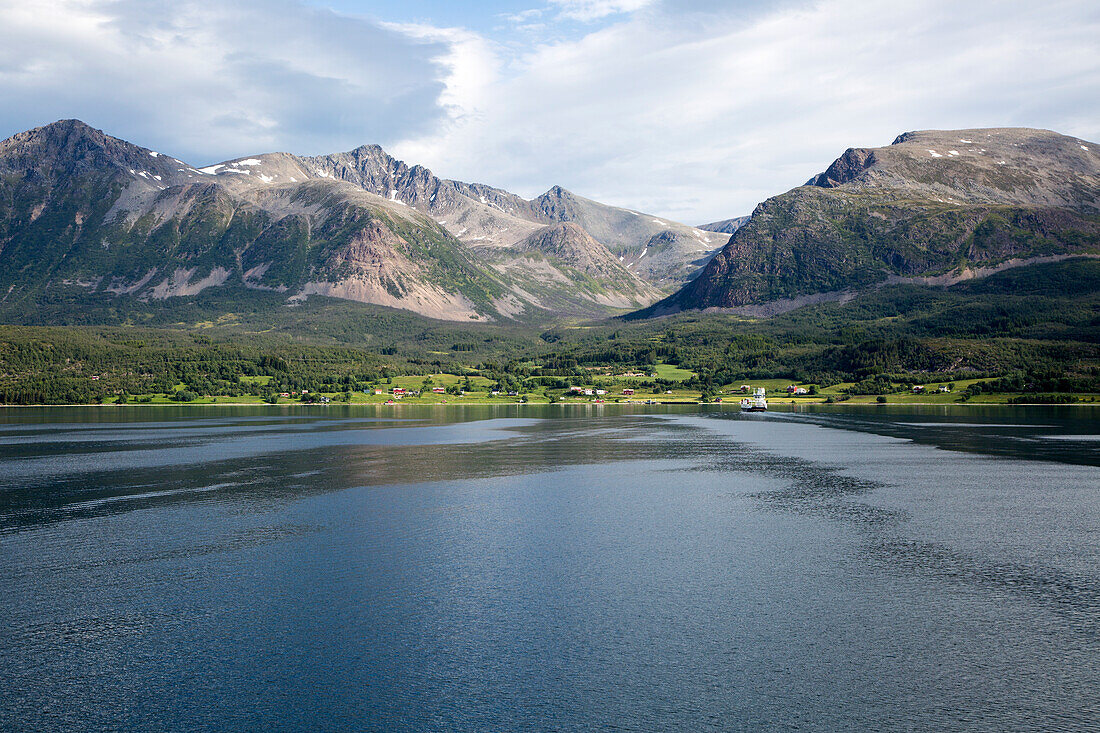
point(524, 16)
point(700, 119)
point(690, 109)
point(589, 10)
point(205, 80)
point(469, 66)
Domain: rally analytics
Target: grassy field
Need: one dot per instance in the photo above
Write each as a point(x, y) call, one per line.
point(671, 371)
point(676, 397)
point(479, 390)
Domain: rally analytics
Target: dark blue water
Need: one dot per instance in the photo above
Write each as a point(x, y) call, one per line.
point(519, 568)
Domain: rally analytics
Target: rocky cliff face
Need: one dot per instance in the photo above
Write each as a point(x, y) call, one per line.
point(932, 203)
point(563, 269)
point(482, 215)
point(571, 245)
point(83, 214)
point(86, 214)
point(662, 252)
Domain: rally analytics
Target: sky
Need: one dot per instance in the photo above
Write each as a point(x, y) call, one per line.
point(695, 110)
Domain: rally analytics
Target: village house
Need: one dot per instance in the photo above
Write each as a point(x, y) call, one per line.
point(601, 391)
point(628, 391)
point(439, 390)
point(918, 388)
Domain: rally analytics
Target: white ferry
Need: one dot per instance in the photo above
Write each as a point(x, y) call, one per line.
point(756, 403)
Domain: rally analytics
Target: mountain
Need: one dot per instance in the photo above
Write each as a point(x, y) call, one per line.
point(661, 251)
point(86, 212)
point(561, 264)
point(87, 217)
point(935, 207)
point(726, 226)
point(480, 215)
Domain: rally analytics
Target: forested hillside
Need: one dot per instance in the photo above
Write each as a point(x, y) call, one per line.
point(1036, 329)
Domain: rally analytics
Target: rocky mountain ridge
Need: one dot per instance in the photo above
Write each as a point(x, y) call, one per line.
point(481, 215)
point(83, 214)
point(931, 204)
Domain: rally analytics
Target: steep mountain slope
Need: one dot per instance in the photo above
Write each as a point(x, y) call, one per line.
point(935, 206)
point(83, 212)
point(661, 251)
point(562, 268)
point(80, 210)
point(371, 169)
point(481, 215)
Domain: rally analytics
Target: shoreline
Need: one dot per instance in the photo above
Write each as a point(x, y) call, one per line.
point(846, 403)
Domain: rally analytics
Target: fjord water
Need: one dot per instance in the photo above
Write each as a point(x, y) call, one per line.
point(518, 568)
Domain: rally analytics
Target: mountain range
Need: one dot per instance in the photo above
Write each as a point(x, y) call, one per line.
point(84, 214)
point(934, 208)
point(89, 221)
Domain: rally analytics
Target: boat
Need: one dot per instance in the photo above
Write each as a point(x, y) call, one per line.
point(756, 403)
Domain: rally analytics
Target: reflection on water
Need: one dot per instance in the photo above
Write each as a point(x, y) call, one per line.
point(1002, 430)
point(508, 567)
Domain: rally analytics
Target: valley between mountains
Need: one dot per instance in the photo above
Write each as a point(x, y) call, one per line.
point(87, 219)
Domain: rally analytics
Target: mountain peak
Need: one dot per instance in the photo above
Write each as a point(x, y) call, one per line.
point(60, 133)
point(66, 123)
point(561, 236)
point(67, 147)
point(1006, 165)
point(369, 148)
point(566, 244)
point(935, 206)
point(557, 192)
point(66, 127)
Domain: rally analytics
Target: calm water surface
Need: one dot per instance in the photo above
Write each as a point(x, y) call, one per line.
point(549, 568)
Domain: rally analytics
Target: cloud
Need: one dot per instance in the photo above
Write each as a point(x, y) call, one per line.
point(590, 10)
point(524, 16)
point(205, 80)
point(700, 115)
point(690, 109)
